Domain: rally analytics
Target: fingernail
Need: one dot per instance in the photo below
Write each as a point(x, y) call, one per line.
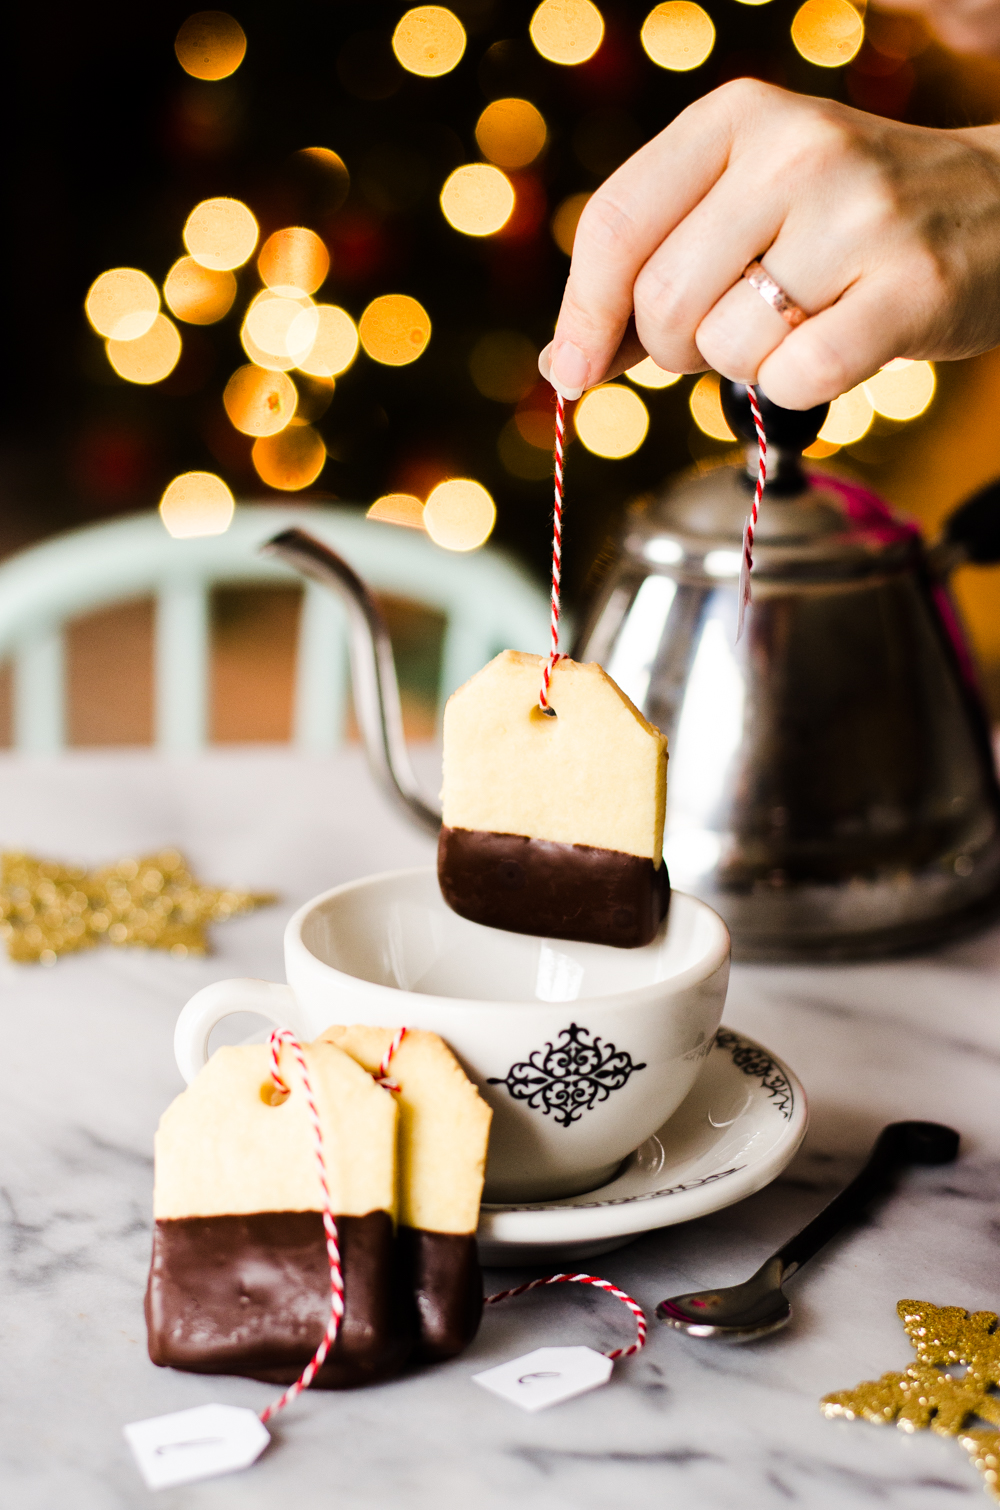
point(569, 370)
point(545, 362)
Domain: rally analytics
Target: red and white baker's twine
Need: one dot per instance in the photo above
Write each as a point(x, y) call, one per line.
point(758, 494)
point(381, 1076)
point(543, 696)
point(600, 1284)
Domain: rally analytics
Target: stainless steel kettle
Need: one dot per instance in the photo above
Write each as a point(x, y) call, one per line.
point(831, 791)
point(831, 788)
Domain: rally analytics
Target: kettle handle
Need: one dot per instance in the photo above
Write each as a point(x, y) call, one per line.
point(973, 530)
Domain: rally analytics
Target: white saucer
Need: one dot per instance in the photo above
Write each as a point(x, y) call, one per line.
point(739, 1127)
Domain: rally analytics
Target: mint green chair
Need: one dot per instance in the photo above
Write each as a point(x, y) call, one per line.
point(488, 601)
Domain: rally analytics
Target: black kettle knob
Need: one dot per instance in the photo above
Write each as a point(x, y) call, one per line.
point(788, 429)
point(975, 526)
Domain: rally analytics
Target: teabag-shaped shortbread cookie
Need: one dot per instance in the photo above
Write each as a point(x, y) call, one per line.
point(443, 1132)
point(240, 1280)
point(553, 826)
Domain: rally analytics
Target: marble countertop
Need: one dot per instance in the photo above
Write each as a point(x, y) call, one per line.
point(89, 1068)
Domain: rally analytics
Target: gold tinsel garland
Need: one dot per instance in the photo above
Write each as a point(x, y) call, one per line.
point(926, 1395)
point(152, 902)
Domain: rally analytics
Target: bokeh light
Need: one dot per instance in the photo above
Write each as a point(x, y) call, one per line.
point(902, 390)
point(849, 418)
point(259, 402)
point(398, 508)
point(394, 329)
point(819, 448)
point(511, 133)
point(267, 331)
point(706, 408)
point(197, 503)
point(565, 221)
point(210, 45)
point(315, 396)
point(329, 169)
point(611, 421)
point(827, 32)
point(648, 375)
point(122, 304)
point(459, 514)
point(293, 261)
point(198, 295)
point(290, 460)
point(151, 357)
point(220, 233)
point(334, 346)
point(678, 35)
point(477, 199)
point(429, 40)
point(504, 365)
point(567, 31)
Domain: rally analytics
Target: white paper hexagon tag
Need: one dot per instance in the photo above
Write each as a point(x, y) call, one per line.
point(547, 1376)
point(196, 1444)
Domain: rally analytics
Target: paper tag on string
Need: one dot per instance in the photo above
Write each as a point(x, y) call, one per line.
point(744, 587)
point(547, 1376)
point(196, 1444)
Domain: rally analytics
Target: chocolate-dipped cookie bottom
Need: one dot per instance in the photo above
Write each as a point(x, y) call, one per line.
point(565, 891)
point(250, 1295)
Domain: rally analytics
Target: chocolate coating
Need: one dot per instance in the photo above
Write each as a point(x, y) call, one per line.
point(443, 1275)
point(563, 891)
point(250, 1295)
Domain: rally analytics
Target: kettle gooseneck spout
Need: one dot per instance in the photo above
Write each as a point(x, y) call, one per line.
point(373, 671)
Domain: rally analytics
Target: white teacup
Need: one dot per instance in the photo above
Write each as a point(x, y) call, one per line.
point(582, 1050)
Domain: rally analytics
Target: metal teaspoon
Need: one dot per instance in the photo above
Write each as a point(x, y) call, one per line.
point(743, 1312)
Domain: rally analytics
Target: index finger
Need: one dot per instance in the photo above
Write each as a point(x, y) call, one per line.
point(622, 225)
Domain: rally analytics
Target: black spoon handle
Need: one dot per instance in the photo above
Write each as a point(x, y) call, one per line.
point(899, 1145)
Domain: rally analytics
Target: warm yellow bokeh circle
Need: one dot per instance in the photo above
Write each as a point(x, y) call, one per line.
point(122, 303)
point(197, 503)
point(828, 33)
point(394, 329)
point(459, 514)
point(511, 133)
point(678, 35)
point(149, 358)
point(220, 233)
point(429, 41)
point(198, 295)
point(477, 199)
point(567, 31)
point(210, 45)
point(611, 421)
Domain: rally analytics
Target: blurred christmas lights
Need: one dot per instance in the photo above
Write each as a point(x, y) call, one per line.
point(220, 233)
point(902, 390)
point(334, 344)
point(828, 33)
point(611, 421)
point(459, 514)
point(290, 460)
point(850, 418)
point(648, 375)
point(567, 31)
point(294, 261)
point(259, 402)
point(122, 304)
point(210, 45)
point(565, 220)
point(678, 35)
point(150, 357)
point(511, 133)
point(429, 41)
point(398, 508)
point(394, 329)
point(706, 408)
point(198, 295)
point(477, 199)
point(197, 503)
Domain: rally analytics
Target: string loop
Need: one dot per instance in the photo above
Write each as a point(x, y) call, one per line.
point(600, 1284)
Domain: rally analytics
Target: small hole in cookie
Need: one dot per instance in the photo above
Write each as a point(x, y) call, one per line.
point(545, 716)
point(271, 1095)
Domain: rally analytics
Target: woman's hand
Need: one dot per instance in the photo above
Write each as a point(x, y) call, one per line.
point(887, 235)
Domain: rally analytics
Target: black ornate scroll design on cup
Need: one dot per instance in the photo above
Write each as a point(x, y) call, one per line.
point(569, 1078)
point(760, 1066)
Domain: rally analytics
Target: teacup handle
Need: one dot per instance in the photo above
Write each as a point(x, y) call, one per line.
point(210, 1005)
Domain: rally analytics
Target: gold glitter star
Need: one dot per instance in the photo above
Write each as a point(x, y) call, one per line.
point(152, 902)
point(926, 1395)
